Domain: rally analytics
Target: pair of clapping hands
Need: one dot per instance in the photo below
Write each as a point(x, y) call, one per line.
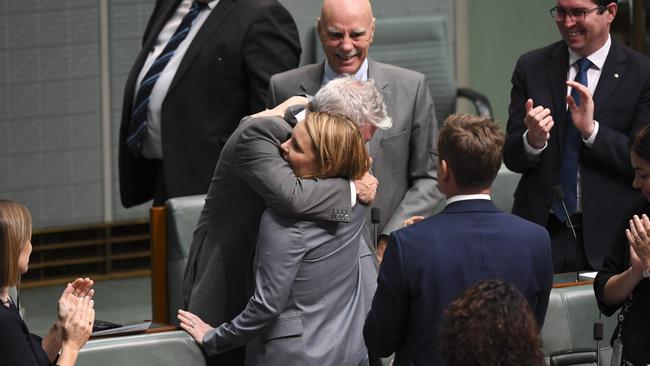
point(76, 313)
point(638, 235)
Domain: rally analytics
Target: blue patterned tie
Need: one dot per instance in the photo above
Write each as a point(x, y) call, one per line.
point(569, 168)
point(138, 123)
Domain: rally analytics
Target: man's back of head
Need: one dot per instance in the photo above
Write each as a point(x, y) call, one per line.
point(469, 154)
point(359, 101)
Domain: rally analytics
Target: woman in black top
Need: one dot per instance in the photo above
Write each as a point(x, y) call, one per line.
point(623, 281)
point(75, 316)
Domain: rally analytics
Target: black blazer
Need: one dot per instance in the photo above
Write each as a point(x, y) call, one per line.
point(18, 347)
point(622, 107)
point(223, 76)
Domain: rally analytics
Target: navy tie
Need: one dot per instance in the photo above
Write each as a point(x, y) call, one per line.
point(570, 159)
point(138, 123)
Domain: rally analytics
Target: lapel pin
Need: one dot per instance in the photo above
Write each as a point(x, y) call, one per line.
point(616, 76)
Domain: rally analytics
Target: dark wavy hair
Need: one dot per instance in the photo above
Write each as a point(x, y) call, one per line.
point(491, 325)
point(640, 144)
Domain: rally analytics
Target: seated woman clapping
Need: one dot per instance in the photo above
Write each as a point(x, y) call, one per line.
point(75, 315)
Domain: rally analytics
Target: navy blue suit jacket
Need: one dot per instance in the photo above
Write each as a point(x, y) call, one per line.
point(622, 108)
point(429, 264)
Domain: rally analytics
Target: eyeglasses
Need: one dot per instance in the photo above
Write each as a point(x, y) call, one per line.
point(575, 14)
point(434, 156)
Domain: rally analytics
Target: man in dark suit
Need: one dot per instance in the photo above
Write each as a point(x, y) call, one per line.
point(586, 154)
point(252, 175)
point(407, 177)
point(223, 53)
point(428, 264)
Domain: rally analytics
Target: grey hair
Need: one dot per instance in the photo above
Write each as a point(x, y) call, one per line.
point(359, 101)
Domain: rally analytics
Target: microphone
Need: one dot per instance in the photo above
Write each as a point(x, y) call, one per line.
point(598, 336)
point(374, 219)
point(559, 194)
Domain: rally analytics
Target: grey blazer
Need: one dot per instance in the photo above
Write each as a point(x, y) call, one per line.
point(250, 175)
point(401, 161)
point(315, 282)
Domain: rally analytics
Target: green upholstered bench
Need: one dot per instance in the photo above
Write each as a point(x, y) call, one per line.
point(155, 349)
point(567, 334)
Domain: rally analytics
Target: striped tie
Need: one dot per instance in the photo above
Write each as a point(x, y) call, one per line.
point(138, 123)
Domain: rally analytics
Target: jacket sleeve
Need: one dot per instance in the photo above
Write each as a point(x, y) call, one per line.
point(261, 165)
point(280, 249)
point(422, 196)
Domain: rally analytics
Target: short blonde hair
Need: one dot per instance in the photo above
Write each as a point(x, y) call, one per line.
point(15, 231)
point(338, 145)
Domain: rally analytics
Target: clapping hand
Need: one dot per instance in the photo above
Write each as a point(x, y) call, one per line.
point(72, 294)
point(539, 122)
point(582, 115)
point(79, 326)
point(639, 239)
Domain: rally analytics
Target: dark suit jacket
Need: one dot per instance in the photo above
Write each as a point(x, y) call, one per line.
point(428, 264)
point(622, 107)
point(223, 77)
point(250, 175)
point(401, 162)
point(18, 346)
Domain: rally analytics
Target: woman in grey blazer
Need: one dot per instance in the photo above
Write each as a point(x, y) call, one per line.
point(314, 280)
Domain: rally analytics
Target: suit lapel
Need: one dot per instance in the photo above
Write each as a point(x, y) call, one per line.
point(216, 17)
point(311, 83)
point(613, 71)
point(556, 71)
point(376, 73)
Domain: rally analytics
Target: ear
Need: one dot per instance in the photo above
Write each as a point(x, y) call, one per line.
point(612, 8)
point(372, 30)
point(444, 171)
point(319, 27)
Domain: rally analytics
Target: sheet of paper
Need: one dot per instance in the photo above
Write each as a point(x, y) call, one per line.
point(591, 275)
point(130, 328)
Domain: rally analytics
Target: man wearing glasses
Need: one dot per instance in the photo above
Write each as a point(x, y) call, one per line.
point(572, 149)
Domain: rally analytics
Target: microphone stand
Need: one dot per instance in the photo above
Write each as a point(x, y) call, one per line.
point(559, 194)
point(374, 219)
point(598, 336)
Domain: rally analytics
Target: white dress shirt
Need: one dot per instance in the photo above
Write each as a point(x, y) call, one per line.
point(152, 141)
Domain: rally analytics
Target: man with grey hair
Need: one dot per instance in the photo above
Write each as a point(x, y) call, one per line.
point(400, 155)
point(251, 175)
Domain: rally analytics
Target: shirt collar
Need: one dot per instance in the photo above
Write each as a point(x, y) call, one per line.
point(597, 58)
point(466, 197)
point(329, 74)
